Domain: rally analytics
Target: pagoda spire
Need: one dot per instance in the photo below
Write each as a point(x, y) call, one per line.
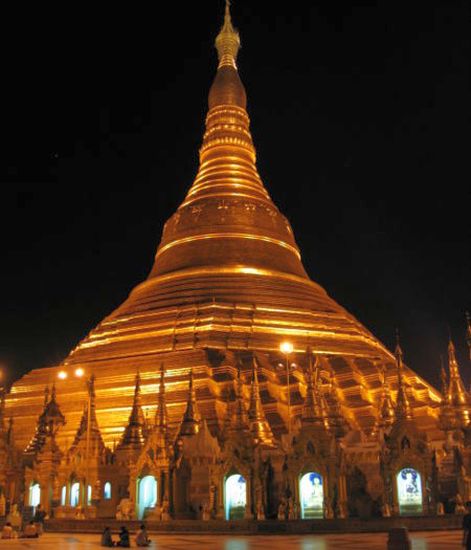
point(52, 416)
point(313, 412)
point(240, 420)
point(190, 424)
point(96, 440)
point(161, 416)
point(227, 208)
point(336, 420)
point(227, 421)
point(133, 436)
point(447, 415)
point(259, 425)
point(386, 407)
point(37, 441)
point(403, 409)
point(443, 380)
point(457, 396)
point(227, 41)
point(10, 432)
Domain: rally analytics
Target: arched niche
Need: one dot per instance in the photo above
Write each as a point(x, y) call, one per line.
point(107, 490)
point(409, 492)
point(34, 494)
point(235, 496)
point(311, 493)
point(75, 493)
point(147, 494)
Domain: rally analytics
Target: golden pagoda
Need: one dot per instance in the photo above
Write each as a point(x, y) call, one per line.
point(226, 288)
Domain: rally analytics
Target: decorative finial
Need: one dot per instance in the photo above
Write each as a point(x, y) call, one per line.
point(227, 41)
point(398, 351)
point(443, 378)
point(46, 396)
point(190, 424)
point(403, 409)
point(259, 426)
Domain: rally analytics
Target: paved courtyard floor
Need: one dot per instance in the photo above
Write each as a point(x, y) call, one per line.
point(431, 540)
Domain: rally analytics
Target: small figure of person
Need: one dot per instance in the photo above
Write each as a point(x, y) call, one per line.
point(467, 526)
point(106, 538)
point(7, 531)
point(460, 508)
point(38, 518)
point(141, 537)
point(282, 510)
point(123, 538)
point(31, 531)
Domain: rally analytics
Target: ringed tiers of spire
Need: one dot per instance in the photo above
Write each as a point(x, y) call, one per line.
point(227, 280)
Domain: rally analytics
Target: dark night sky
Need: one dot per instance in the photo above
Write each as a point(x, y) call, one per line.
point(361, 118)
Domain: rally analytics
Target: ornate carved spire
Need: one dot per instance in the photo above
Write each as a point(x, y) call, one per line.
point(10, 433)
point(313, 410)
point(336, 420)
point(259, 425)
point(46, 396)
point(227, 41)
point(386, 407)
point(39, 437)
point(190, 424)
point(227, 421)
point(403, 409)
point(240, 421)
point(447, 416)
point(161, 416)
point(457, 396)
point(52, 416)
point(96, 440)
point(133, 436)
point(443, 380)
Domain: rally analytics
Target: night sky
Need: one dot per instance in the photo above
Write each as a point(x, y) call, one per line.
point(361, 118)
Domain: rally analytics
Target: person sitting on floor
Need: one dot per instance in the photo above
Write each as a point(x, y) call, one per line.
point(141, 537)
point(7, 531)
point(31, 531)
point(123, 538)
point(106, 539)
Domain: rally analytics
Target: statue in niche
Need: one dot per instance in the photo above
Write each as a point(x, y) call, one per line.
point(205, 514)
point(125, 509)
point(459, 505)
point(282, 509)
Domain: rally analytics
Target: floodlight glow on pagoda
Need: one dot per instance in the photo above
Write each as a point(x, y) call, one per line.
point(286, 347)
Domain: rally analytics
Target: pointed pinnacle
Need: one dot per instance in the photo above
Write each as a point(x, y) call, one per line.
point(190, 422)
point(46, 396)
point(227, 41)
point(443, 378)
point(403, 409)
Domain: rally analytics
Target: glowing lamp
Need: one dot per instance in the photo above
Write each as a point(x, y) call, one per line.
point(286, 347)
point(79, 372)
point(62, 375)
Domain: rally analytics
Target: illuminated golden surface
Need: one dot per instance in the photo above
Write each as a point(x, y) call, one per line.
point(227, 287)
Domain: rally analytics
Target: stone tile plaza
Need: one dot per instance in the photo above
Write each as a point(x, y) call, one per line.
point(420, 541)
point(231, 387)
